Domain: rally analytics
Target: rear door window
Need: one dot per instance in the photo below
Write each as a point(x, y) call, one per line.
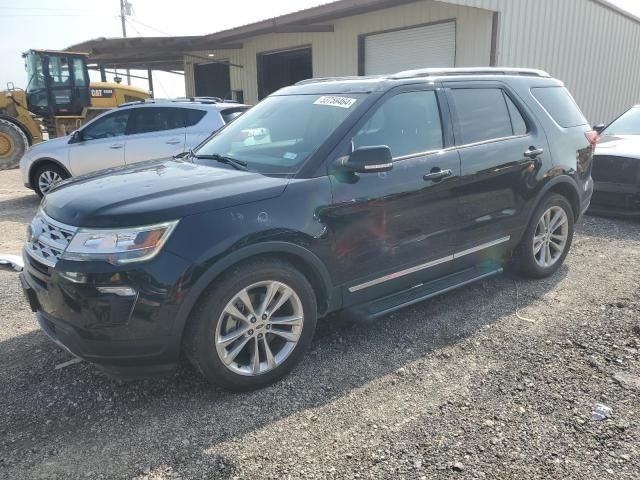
point(559, 103)
point(482, 115)
point(155, 119)
point(408, 123)
point(518, 122)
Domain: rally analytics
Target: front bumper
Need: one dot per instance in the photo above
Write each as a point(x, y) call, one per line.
point(128, 336)
point(616, 200)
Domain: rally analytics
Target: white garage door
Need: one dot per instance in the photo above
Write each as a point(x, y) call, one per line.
point(421, 47)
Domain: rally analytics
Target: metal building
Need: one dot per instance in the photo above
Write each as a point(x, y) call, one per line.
point(590, 44)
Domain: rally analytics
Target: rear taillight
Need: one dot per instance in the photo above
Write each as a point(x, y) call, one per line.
point(592, 136)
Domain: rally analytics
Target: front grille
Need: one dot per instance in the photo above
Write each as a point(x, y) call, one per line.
point(612, 169)
point(47, 239)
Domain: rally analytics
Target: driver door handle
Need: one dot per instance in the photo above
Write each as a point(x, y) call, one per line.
point(116, 146)
point(173, 141)
point(437, 175)
point(533, 152)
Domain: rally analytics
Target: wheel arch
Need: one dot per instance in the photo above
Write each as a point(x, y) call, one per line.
point(23, 128)
point(564, 185)
point(43, 161)
point(568, 188)
point(327, 296)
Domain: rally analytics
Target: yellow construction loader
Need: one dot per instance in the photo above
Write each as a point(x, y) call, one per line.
point(58, 99)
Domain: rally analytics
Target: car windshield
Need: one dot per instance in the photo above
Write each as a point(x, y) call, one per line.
point(627, 124)
point(281, 132)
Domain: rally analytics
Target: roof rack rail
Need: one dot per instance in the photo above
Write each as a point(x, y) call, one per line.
point(336, 79)
point(438, 72)
point(207, 100)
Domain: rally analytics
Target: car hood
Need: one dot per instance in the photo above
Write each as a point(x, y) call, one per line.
point(155, 192)
point(49, 145)
point(619, 145)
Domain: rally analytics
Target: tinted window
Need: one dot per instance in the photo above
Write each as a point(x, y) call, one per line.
point(192, 117)
point(78, 72)
point(407, 123)
point(281, 132)
point(155, 119)
point(59, 71)
point(559, 103)
point(111, 125)
point(231, 114)
point(517, 121)
point(627, 124)
point(482, 114)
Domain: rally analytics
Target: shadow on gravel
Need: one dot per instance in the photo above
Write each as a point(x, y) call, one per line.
point(75, 416)
point(610, 228)
point(19, 209)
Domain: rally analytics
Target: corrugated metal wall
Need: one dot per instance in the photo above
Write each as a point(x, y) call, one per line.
point(595, 50)
point(337, 53)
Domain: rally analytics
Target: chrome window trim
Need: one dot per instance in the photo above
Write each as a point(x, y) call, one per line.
point(458, 147)
point(493, 140)
point(433, 263)
point(420, 154)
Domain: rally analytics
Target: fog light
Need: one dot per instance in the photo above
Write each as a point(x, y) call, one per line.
point(120, 291)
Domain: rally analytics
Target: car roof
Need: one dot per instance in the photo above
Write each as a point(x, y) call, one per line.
point(203, 103)
point(373, 83)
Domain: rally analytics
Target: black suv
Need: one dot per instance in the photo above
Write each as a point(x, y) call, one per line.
point(365, 194)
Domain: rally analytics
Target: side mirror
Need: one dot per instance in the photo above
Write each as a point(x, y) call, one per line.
point(367, 160)
point(76, 137)
point(599, 128)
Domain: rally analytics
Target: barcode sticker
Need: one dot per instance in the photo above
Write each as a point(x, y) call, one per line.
point(331, 101)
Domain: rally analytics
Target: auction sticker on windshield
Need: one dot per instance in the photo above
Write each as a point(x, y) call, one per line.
point(331, 101)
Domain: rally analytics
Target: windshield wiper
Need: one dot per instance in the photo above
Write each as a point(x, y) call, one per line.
point(237, 164)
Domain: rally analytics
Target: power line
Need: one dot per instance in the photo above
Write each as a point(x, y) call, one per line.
point(133, 26)
point(48, 9)
point(51, 15)
point(150, 27)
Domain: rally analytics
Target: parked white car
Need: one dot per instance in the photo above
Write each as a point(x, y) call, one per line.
point(131, 133)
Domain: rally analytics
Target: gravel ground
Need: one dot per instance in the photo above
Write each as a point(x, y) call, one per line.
point(463, 386)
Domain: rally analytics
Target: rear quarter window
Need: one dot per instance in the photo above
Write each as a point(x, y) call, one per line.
point(559, 103)
point(192, 116)
point(231, 114)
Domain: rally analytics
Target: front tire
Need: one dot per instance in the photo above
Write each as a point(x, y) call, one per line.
point(252, 326)
point(13, 144)
point(548, 238)
point(46, 177)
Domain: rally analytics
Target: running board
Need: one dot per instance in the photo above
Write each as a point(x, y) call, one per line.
point(404, 298)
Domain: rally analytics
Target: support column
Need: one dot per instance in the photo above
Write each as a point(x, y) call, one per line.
point(150, 77)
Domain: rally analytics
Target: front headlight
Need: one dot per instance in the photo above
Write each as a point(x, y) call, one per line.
point(118, 246)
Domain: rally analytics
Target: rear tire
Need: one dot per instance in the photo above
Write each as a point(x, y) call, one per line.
point(46, 177)
point(13, 144)
point(239, 350)
point(547, 240)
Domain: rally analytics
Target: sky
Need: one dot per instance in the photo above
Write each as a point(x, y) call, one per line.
point(57, 24)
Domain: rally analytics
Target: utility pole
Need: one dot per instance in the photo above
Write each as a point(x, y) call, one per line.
point(125, 9)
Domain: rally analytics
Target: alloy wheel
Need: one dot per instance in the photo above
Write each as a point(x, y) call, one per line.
point(259, 328)
point(550, 237)
point(47, 180)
